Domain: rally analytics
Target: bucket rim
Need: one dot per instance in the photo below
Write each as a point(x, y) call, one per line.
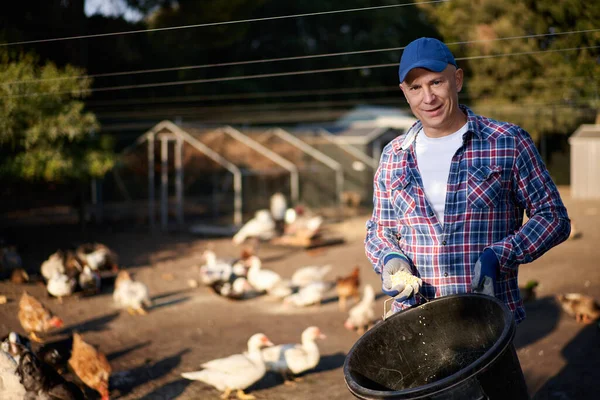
point(489, 357)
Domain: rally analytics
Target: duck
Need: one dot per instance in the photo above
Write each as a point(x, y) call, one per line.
point(236, 290)
point(236, 372)
point(362, 315)
point(305, 275)
point(11, 387)
point(262, 226)
point(308, 295)
point(282, 289)
point(261, 279)
point(215, 269)
point(298, 223)
point(293, 359)
point(60, 285)
point(131, 294)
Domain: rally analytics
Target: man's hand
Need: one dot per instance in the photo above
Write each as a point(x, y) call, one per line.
point(400, 290)
point(484, 275)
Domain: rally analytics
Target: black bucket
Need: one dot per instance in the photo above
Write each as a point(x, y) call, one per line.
point(454, 347)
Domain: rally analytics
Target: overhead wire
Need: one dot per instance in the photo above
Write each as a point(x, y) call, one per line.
point(281, 59)
point(280, 74)
point(170, 28)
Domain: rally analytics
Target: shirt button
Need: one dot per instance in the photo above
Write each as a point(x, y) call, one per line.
point(431, 213)
point(443, 243)
point(445, 274)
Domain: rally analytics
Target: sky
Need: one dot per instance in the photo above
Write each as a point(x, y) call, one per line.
point(111, 8)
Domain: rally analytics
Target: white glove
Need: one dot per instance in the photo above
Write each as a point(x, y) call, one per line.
point(400, 291)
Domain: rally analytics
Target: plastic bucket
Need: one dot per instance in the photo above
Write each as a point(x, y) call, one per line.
point(454, 347)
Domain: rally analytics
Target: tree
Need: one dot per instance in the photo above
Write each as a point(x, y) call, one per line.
point(45, 133)
point(549, 90)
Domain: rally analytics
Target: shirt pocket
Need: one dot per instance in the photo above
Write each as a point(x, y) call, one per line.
point(403, 196)
point(485, 186)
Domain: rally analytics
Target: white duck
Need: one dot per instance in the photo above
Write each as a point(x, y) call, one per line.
point(10, 383)
point(308, 295)
point(299, 224)
point(362, 315)
point(281, 289)
point(261, 279)
point(236, 372)
point(130, 294)
point(306, 275)
point(216, 269)
point(53, 264)
point(61, 285)
point(261, 226)
point(236, 290)
point(293, 359)
point(278, 206)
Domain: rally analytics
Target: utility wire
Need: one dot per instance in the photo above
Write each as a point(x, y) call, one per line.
point(269, 60)
point(279, 74)
point(221, 23)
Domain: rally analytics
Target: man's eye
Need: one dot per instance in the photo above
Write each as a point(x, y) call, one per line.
point(436, 82)
point(413, 88)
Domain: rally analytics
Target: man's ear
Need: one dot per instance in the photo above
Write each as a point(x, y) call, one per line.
point(403, 92)
point(459, 76)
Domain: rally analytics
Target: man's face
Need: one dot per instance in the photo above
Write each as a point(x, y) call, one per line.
point(433, 97)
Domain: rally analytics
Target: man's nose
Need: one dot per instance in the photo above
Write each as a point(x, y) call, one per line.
point(428, 96)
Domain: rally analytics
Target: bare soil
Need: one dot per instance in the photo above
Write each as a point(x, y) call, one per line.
point(188, 326)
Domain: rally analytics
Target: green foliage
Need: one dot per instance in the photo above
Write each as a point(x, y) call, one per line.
point(47, 136)
point(545, 92)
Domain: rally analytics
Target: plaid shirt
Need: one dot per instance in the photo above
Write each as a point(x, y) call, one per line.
point(495, 175)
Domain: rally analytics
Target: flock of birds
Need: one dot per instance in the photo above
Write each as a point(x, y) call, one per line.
point(29, 374)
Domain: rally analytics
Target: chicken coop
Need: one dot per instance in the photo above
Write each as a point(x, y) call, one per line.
point(585, 162)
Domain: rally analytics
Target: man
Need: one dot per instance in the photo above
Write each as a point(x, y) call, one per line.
point(449, 194)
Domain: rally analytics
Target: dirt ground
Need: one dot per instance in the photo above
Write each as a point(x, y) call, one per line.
point(188, 326)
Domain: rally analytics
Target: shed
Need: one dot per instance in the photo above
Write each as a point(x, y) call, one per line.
point(585, 162)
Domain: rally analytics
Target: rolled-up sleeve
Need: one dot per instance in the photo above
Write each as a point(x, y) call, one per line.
point(548, 223)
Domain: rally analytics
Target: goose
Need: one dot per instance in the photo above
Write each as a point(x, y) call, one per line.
point(306, 275)
point(236, 372)
point(293, 359)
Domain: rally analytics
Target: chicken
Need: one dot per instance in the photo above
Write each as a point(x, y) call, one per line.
point(61, 285)
point(89, 280)
point(236, 372)
point(293, 359)
point(42, 382)
point(528, 291)
point(362, 315)
point(90, 365)
point(10, 385)
point(98, 257)
point(62, 261)
point(130, 294)
point(348, 287)
point(261, 226)
point(584, 308)
point(19, 276)
point(35, 318)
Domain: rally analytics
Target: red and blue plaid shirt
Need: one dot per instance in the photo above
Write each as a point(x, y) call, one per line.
point(494, 176)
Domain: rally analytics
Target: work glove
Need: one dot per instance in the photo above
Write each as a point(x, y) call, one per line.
point(484, 275)
point(400, 291)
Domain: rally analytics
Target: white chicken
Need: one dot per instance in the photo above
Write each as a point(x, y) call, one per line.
point(307, 275)
point(293, 359)
point(53, 264)
point(261, 226)
point(61, 285)
point(308, 295)
point(261, 279)
point(89, 281)
point(98, 256)
point(130, 294)
point(236, 372)
point(362, 315)
point(10, 384)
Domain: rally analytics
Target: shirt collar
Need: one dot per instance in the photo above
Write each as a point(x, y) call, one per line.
point(411, 134)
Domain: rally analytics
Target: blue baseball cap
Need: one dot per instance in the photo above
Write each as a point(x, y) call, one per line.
point(425, 53)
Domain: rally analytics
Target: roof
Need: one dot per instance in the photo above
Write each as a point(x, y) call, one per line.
point(586, 132)
point(377, 116)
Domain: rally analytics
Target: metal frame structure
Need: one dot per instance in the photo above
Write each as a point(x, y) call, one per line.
point(370, 161)
point(317, 155)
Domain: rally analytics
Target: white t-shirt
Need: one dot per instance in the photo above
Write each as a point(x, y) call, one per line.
point(434, 156)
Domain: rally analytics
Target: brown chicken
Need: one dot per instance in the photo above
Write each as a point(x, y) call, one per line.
point(583, 308)
point(35, 318)
point(348, 287)
point(90, 365)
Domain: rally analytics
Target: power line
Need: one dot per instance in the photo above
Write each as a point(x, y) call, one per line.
point(221, 23)
point(294, 58)
point(280, 74)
